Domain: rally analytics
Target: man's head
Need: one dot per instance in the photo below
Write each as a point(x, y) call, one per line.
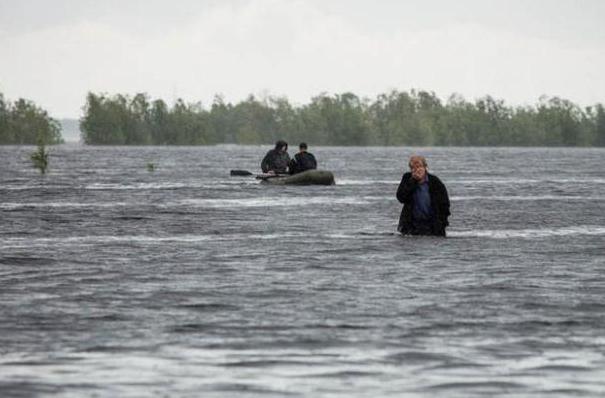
point(418, 167)
point(302, 147)
point(281, 145)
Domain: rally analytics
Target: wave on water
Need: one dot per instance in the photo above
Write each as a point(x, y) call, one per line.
point(583, 230)
point(17, 206)
point(31, 187)
point(280, 201)
point(529, 233)
point(365, 182)
point(528, 198)
point(363, 200)
point(144, 186)
point(251, 181)
point(466, 181)
point(286, 201)
point(141, 239)
point(481, 181)
point(513, 180)
point(137, 186)
point(169, 185)
point(219, 203)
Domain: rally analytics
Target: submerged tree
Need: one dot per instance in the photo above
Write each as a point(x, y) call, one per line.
point(40, 158)
point(41, 155)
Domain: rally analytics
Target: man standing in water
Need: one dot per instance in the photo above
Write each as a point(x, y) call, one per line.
point(303, 160)
point(277, 159)
point(426, 205)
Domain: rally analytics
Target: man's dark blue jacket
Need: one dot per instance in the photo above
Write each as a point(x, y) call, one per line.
point(440, 204)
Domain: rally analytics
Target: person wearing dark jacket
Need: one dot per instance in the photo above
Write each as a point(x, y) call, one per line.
point(302, 161)
point(426, 205)
point(277, 159)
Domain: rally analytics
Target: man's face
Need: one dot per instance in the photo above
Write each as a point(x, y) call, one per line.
point(418, 170)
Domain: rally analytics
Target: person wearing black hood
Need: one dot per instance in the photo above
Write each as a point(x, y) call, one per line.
point(277, 159)
point(302, 161)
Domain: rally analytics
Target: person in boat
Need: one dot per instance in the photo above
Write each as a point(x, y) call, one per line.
point(302, 161)
point(426, 205)
point(277, 159)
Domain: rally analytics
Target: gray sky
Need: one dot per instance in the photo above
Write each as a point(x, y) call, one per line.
point(53, 52)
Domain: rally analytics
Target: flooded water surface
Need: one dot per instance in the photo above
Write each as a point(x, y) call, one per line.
point(183, 281)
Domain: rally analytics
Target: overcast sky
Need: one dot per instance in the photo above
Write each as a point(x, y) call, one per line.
point(53, 52)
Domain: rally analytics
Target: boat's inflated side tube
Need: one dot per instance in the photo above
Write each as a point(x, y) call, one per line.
point(309, 177)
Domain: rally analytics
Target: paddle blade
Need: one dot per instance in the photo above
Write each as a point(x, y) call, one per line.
point(240, 173)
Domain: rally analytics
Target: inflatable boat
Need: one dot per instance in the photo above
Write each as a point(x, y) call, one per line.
point(309, 177)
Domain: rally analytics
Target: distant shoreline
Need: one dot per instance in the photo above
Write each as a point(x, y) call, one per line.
point(396, 118)
point(393, 119)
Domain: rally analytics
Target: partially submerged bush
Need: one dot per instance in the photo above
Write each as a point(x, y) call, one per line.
point(40, 158)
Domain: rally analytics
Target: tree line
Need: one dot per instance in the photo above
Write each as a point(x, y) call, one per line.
point(396, 118)
point(24, 123)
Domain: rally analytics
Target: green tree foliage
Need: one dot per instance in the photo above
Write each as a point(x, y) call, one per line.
point(599, 121)
point(121, 120)
point(335, 120)
point(24, 123)
point(394, 118)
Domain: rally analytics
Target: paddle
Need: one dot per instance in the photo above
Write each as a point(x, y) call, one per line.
point(240, 173)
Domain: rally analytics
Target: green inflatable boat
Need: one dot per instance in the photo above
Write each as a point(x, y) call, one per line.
point(309, 177)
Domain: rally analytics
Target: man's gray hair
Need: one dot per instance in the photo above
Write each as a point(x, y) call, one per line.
point(415, 158)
